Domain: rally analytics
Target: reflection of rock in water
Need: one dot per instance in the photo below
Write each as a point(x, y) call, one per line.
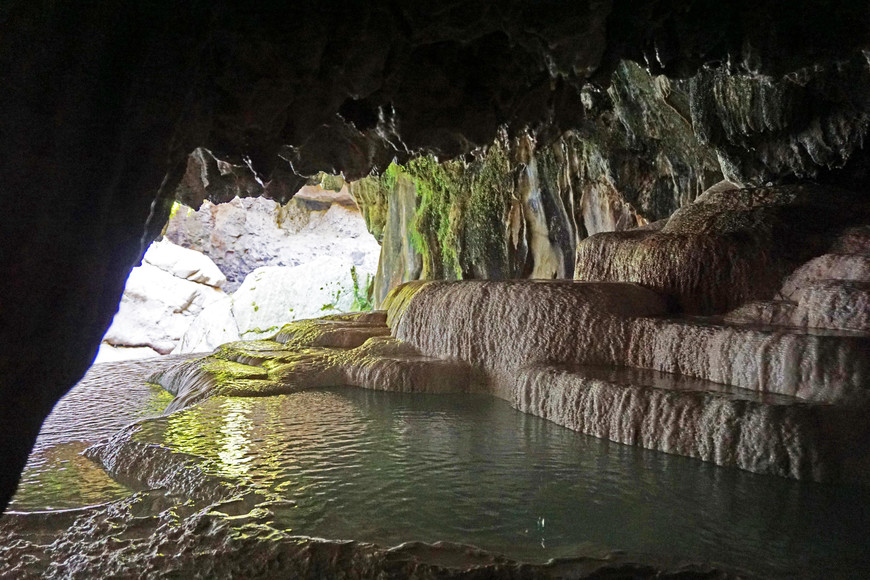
point(732, 394)
point(110, 396)
point(776, 386)
point(244, 481)
point(61, 477)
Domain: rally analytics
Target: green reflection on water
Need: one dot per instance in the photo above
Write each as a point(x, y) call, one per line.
point(61, 477)
point(234, 441)
point(156, 403)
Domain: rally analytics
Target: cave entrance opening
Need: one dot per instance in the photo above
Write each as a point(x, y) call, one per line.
point(241, 270)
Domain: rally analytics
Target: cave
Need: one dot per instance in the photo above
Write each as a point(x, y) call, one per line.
point(645, 222)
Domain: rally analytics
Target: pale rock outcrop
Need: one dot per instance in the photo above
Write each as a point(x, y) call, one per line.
point(160, 301)
point(214, 326)
point(399, 260)
point(780, 386)
point(184, 263)
point(272, 296)
point(353, 349)
point(502, 326)
point(244, 234)
point(834, 304)
point(709, 421)
point(109, 353)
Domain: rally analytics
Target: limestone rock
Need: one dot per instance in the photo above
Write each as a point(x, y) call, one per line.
point(830, 291)
point(109, 353)
point(271, 88)
point(246, 233)
point(157, 308)
point(184, 263)
point(855, 267)
point(727, 248)
point(272, 296)
point(214, 326)
point(561, 321)
point(712, 422)
point(853, 241)
point(602, 358)
point(399, 260)
point(834, 304)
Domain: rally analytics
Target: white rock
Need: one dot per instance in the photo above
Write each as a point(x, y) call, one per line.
point(272, 296)
point(839, 304)
point(213, 327)
point(109, 353)
point(157, 308)
point(245, 234)
point(184, 263)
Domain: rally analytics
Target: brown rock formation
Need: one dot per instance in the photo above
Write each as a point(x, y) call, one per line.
point(726, 248)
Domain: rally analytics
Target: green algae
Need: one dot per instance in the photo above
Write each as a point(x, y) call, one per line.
point(363, 292)
point(372, 195)
point(460, 220)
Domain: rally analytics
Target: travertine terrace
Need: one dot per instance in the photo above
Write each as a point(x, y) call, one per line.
point(782, 395)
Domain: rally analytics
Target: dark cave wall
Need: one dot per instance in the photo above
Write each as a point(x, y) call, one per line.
point(102, 104)
point(88, 165)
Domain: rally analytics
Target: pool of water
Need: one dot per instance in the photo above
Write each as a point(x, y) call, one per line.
point(110, 396)
point(392, 467)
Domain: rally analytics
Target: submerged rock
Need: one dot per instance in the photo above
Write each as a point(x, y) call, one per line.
point(233, 538)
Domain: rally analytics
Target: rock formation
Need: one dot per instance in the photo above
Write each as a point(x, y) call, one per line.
point(243, 234)
point(616, 359)
point(163, 296)
point(110, 111)
point(310, 256)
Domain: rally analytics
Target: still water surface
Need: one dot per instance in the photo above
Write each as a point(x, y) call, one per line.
point(393, 467)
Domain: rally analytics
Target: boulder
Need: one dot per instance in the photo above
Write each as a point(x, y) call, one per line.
point(272, 296)
point(160, 301)
point(214, 326)
point(184, 263)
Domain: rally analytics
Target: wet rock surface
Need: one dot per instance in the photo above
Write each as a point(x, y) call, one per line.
point(774, 399)
point(110, 396)
point(204, 519)
point(139, 537)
